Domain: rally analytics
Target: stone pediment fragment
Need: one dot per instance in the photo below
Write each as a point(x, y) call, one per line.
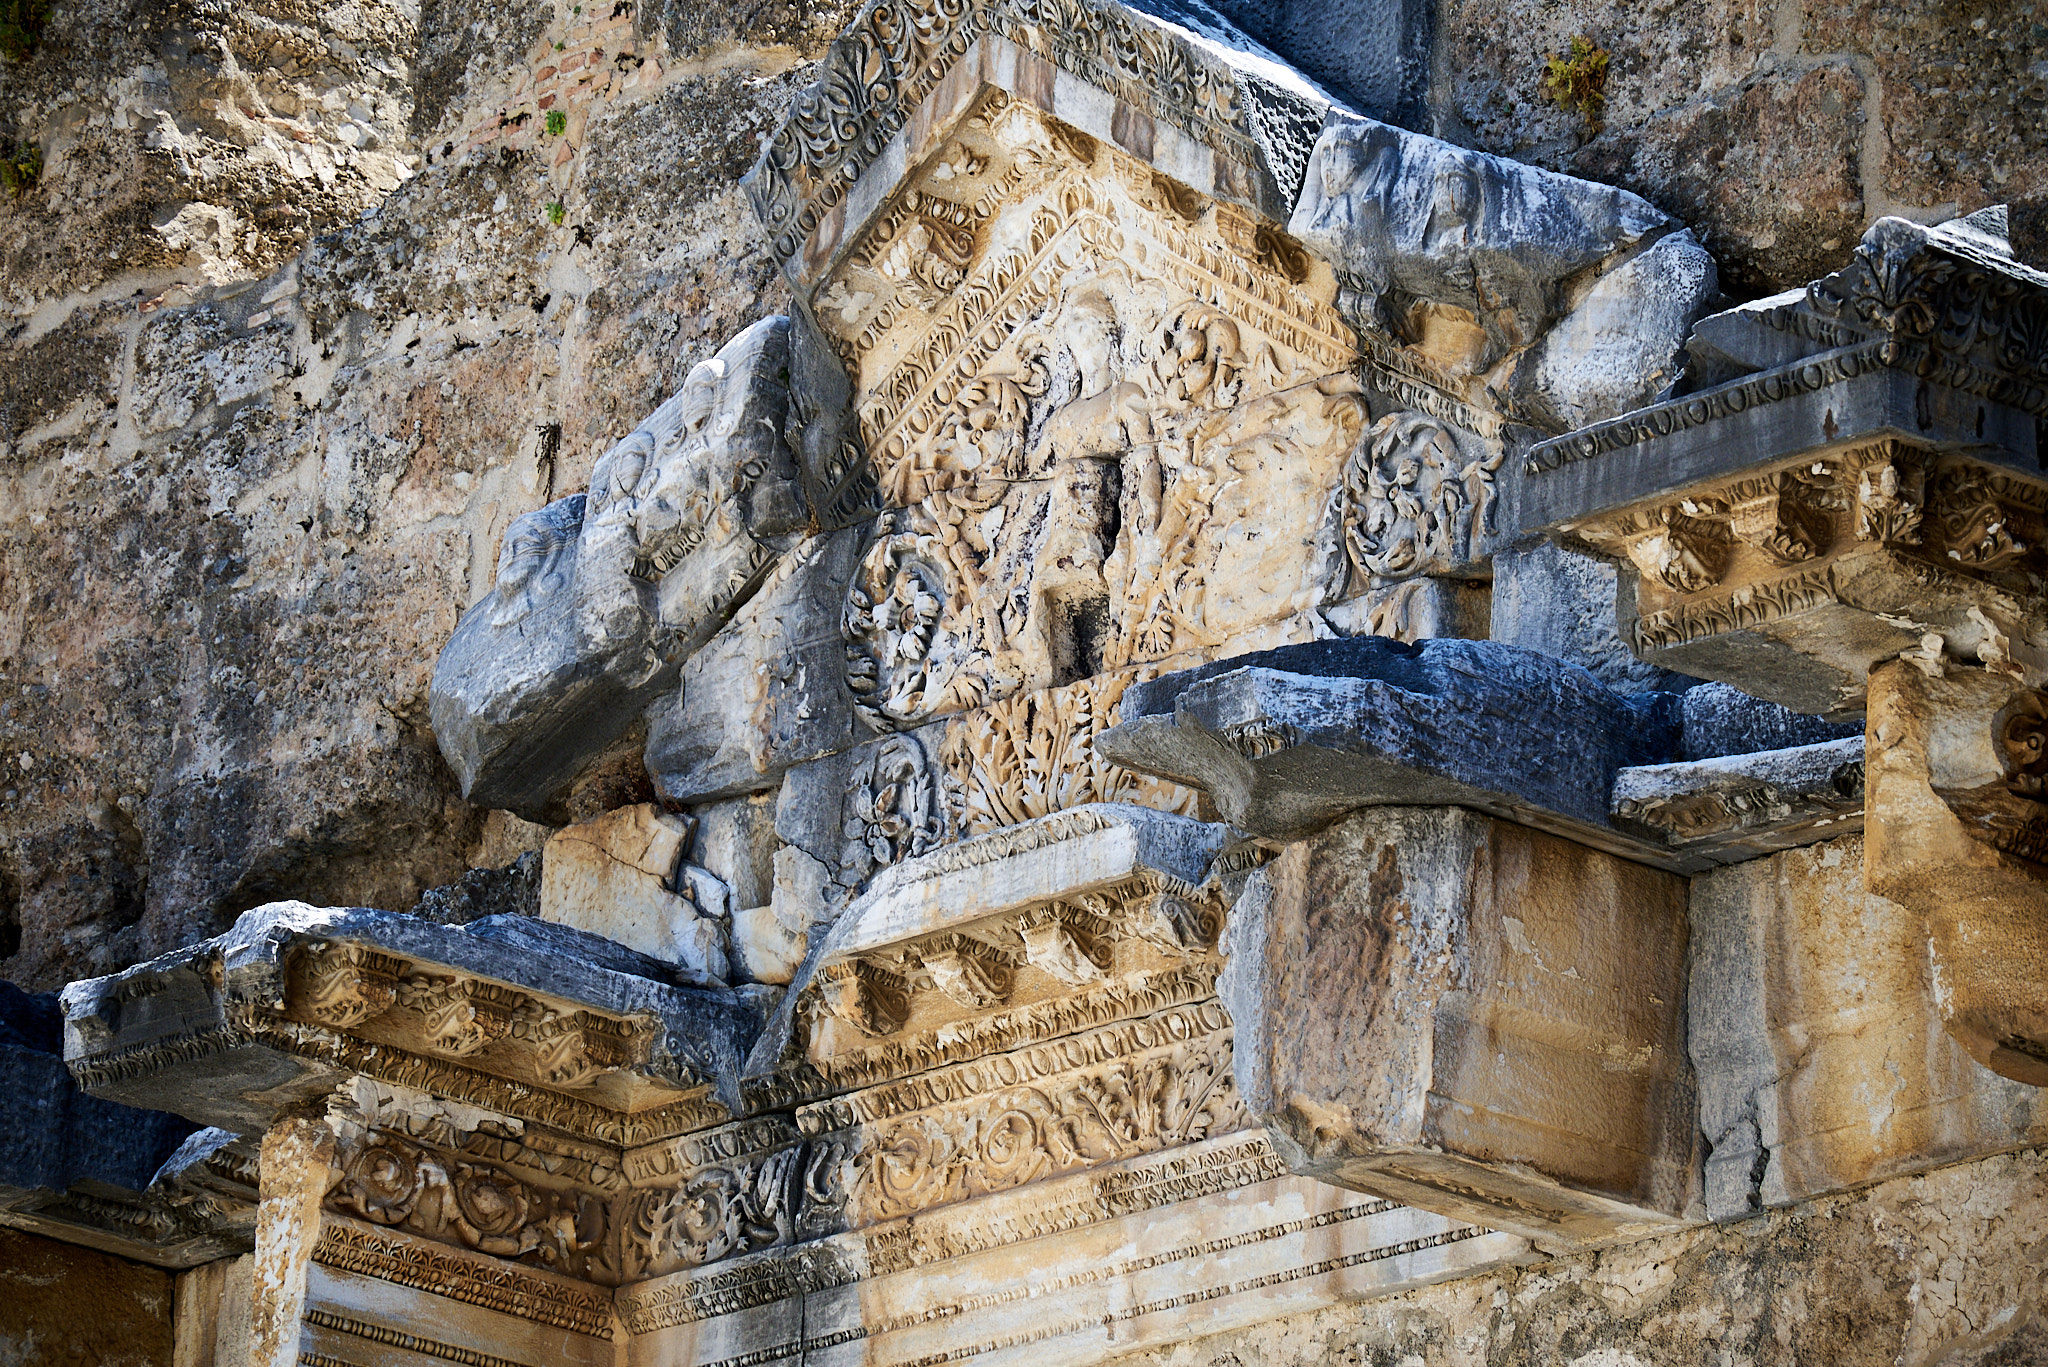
point(1860, 478)
point(295, 999)
point(1079, 918)
point(1287, 740)
point(1545, 297)
point(600, 596)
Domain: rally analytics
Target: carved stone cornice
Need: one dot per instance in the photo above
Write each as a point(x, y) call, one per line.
point(1872, 487)
point(300, 999)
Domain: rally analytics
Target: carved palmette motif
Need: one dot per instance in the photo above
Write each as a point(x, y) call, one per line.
point(1034, 754)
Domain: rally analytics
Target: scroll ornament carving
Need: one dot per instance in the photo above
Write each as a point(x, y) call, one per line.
point(766, 1200)
point(390, 1182)
point(1972, 526)
point(343, 985)
point(1178, 1095)
point(1412, 504)
point(1943, 316)
point(2023, 744)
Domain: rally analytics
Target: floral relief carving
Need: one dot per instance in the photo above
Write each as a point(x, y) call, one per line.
point(1034, 754)
point(769, 1199)
point(1412, 503)
point(1177, 1095)
point(892, 810)
point(392, 1182)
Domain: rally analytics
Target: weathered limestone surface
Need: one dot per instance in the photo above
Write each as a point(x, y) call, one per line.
point(1478, 1018)
point(1019, 610)
point(43, 1285)
point(1286, 740)
point(1822, 1061)
point(1935, 1271)
point(1955, 833)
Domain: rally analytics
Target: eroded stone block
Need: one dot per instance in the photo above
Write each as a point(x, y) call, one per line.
point(1286, 740)
point(1958, 832)
point(1473, 1017)
point(1817, 1038)
point(600, 597)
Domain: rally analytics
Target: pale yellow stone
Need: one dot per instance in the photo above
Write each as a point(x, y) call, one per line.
point(622, 876)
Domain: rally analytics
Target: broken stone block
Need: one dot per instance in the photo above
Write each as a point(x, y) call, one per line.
point(1287, 740)
point(292, 1000)
point(1737, 807)
point(1472, 1017)
point(1872, 486)
point(769, 690)
point(600, 597)
point(1470, 254)
point(1815, 1031)
point(1957, 832)
point(624, 876)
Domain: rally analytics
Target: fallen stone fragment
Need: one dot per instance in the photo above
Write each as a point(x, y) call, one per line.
point(1472, 1017)
point(600, 597)
point(623, 877)
point(1287, 740)
point(1741, 806)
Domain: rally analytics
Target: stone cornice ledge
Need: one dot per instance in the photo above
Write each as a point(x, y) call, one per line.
point(293, 999)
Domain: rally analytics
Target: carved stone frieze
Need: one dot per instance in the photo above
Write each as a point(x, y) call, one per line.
point(1179, 1093)
point(394, 1182)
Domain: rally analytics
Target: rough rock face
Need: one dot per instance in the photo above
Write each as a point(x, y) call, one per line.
point(293, 339)
point(1779, 129)
point(235, 505)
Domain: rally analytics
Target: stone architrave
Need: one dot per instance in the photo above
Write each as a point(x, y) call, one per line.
point(293, 1000)
point(1858, 476)
point(1472, 1017)
point(601, 596)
